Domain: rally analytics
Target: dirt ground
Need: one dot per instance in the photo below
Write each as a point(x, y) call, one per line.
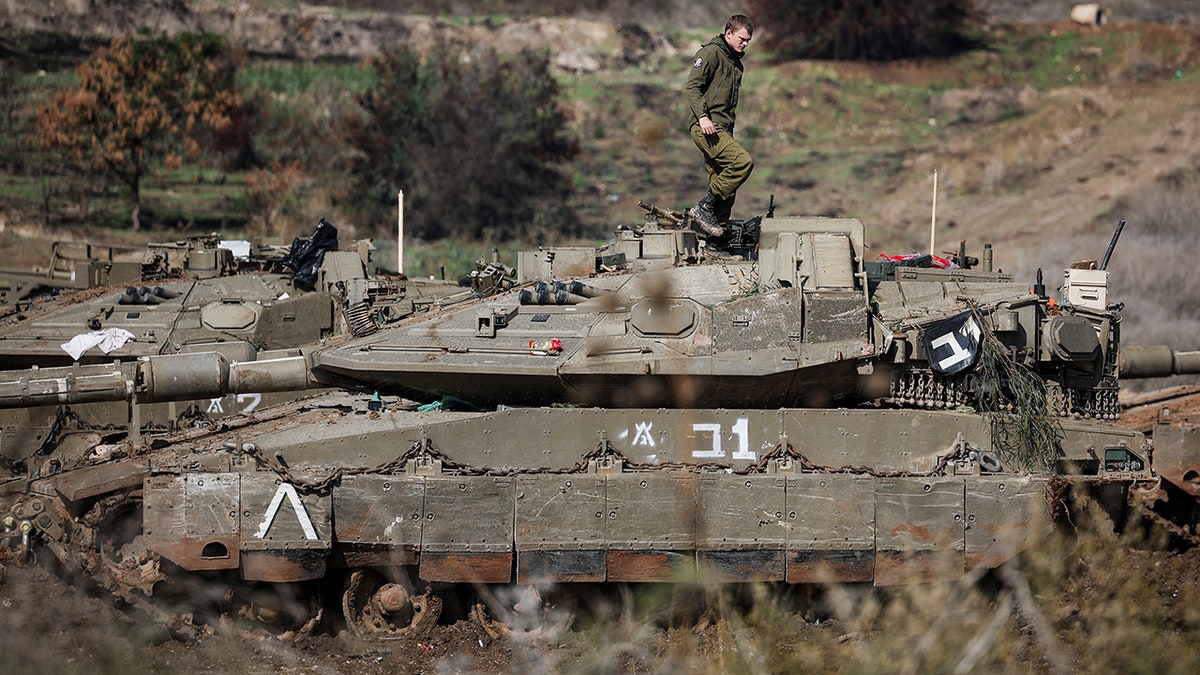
point(49, 625)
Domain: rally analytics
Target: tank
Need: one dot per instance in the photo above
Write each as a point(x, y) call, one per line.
point(196, 295)
point(67, 270)
point(770, 406)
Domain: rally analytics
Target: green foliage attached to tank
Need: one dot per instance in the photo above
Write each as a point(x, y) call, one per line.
point(1014, 402)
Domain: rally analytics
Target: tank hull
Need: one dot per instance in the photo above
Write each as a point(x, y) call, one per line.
point(632, 495)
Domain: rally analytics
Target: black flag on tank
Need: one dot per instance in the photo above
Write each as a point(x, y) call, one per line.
point(952, 345)
point(306, 255)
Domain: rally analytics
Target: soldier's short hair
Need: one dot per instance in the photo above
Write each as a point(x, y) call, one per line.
point(739, 21)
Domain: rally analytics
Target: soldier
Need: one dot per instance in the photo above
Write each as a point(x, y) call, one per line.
point(712, 95)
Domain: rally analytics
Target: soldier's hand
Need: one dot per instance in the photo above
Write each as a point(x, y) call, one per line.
point(707, 126)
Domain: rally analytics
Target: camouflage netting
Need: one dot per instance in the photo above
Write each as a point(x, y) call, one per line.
point(1013, 400)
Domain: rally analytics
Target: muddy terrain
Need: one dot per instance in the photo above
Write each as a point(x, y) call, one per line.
point(1085, 601)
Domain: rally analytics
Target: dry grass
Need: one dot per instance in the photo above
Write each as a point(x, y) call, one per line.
point(1082, 599)
point(1154, 265)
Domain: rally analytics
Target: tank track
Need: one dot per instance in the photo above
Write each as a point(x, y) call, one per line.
point(1152, 499)
point(1099, 403)
point(925, 389)
point(358, 317)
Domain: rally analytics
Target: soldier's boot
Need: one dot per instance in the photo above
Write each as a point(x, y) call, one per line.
point(723, 211)
point(704, 217)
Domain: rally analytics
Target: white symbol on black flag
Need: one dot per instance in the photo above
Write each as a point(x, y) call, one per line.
point(953, 345)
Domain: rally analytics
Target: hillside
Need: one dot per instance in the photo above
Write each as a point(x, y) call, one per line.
point(1042, 140)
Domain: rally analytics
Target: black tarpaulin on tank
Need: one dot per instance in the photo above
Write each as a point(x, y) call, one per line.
point(307, 254)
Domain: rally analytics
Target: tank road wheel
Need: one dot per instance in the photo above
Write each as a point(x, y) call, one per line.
point(517, 611)
point(282, 610)
point(110, 548)
point(374, 605)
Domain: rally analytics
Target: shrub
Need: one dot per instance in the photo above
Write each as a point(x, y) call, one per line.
point(476, 141)
point(863, 29)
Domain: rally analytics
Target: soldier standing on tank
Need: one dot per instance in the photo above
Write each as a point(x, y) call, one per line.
point(712, 95)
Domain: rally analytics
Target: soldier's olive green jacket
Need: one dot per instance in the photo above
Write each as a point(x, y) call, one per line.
point(713, 85)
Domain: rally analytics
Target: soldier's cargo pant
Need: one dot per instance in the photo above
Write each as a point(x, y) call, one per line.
point(728, 164)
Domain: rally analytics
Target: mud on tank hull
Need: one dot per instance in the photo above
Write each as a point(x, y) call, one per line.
point(613, 495)
point(307, 489)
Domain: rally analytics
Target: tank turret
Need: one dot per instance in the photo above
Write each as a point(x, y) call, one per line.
point(680, 325)
point(199, 295)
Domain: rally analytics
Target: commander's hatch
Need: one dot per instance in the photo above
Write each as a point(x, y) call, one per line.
point(813, 254)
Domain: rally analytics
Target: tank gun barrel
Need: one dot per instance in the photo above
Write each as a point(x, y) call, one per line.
point(671, 217)
point(1157, 361)
point(51, 386)
point(173, 377)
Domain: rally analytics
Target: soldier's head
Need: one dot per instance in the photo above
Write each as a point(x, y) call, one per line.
point(738, 31)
